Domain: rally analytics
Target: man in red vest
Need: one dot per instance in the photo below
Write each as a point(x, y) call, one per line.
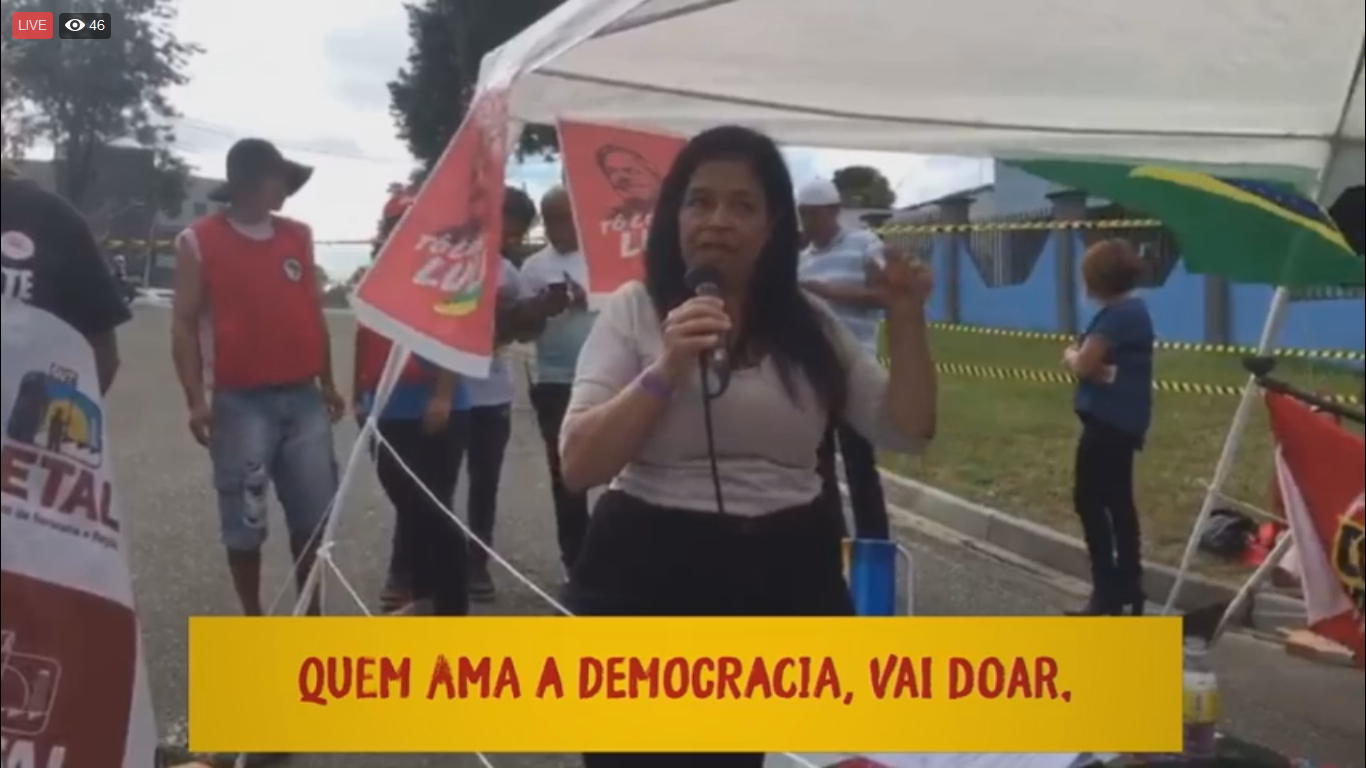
point(253, 355)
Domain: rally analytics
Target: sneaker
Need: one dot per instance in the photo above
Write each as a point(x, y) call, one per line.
point(481, 585)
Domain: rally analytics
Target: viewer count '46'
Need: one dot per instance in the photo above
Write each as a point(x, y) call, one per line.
point(888, 677)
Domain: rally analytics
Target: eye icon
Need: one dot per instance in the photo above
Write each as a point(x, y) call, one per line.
point(74, 25)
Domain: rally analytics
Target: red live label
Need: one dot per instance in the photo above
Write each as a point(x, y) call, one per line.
point(31, 25)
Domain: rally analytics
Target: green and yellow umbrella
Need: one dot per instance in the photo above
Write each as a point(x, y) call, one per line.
point(1247, 231)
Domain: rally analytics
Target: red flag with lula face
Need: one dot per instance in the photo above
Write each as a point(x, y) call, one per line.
point(432, 287)
point(1321, 468)
point(613, 175)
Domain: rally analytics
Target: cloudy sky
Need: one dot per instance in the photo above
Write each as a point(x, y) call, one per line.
point(310, 75)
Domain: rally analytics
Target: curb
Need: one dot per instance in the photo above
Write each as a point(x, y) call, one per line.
point(1266, 612)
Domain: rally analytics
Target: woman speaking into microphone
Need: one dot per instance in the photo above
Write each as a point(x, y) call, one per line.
point(714, 503)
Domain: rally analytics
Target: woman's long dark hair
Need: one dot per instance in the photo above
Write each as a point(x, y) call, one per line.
point(779, 319)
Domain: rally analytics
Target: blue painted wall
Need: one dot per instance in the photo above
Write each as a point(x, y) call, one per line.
point(1030, 305)
point(1178, 306)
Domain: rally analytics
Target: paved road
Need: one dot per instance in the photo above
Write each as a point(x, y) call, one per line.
point(1282, 702)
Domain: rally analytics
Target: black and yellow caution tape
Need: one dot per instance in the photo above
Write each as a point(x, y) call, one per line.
point(1041, 225)
point(1055, 377)
point(121, 243)
point(1175, 346)
point(1017, 226)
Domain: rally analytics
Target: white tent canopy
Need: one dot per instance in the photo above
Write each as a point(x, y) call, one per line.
point(1260, 82)
point(1273, 86)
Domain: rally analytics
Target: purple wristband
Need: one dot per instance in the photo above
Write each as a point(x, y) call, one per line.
point(654, 385)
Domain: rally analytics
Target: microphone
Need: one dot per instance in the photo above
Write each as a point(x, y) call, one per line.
point(706, 281)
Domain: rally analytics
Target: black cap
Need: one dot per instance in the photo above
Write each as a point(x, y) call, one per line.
point(250, 160)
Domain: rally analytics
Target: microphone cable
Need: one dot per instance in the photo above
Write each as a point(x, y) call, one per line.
point(711, 393)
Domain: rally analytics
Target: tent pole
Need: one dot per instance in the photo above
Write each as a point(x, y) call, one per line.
point(1251, 392)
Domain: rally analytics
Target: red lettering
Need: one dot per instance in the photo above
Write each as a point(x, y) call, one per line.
point(365, 678)
point(781, 685)
point(508, 683)
point(707, 678)
point(644, 673)
point(896, 677)
point(591, 675)
point(474, 674)
point(758, 682)
point(728, 671)
point(991, 678)
point(80, 500)
point(63, 486)
point(675, 674)
point(550, 680)
point(441, 679)
point(57, 473)
point(827, 680)
point(1045, 677)
point(16, 464)
point(960, 677)
point(311, 681)
point(704, 678)
point(339, 677)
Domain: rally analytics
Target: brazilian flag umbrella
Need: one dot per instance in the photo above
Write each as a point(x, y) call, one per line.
point(1247, 231)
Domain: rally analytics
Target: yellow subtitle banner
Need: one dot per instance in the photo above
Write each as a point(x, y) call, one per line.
point(393, 685)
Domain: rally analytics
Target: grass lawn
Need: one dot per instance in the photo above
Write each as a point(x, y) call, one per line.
point(1010, 444)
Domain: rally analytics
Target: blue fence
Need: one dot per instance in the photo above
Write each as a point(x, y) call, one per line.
point(1029, 301)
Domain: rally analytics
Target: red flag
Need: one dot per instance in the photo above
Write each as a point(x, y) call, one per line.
point(426, 289)
point(1321, 468)
point(613, 175)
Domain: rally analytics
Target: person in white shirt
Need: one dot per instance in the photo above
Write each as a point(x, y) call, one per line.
point(559, 273)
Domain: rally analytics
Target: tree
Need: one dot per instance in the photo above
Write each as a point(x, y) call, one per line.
point(863, 186)
point(16, 132)
point(432, 92)
point(83, 95)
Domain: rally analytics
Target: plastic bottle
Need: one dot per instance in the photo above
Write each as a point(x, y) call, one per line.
point(1201, 702)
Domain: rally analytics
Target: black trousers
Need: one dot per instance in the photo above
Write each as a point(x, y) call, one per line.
point(1103, 496)
point(489, 431)
point(640, 559)
point(571, 509)
point(860, 473)
point(432, 544)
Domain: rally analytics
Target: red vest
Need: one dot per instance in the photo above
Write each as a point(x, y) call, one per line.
point(263, 304)
point(372, 352)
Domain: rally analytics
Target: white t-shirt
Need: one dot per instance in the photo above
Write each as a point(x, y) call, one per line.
point(765, 439)
point(496, 390)
point(557, 349)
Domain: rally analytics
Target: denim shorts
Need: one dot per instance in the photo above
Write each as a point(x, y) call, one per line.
point(281, 436)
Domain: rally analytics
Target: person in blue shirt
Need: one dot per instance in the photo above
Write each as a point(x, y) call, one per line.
point(1113, 363)
point(423, 431)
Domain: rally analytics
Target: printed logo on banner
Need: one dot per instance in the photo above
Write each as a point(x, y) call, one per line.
point(1349, 552)
point(433, 269)
point(68, 637)
point(614, 175)
point(68, 667)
